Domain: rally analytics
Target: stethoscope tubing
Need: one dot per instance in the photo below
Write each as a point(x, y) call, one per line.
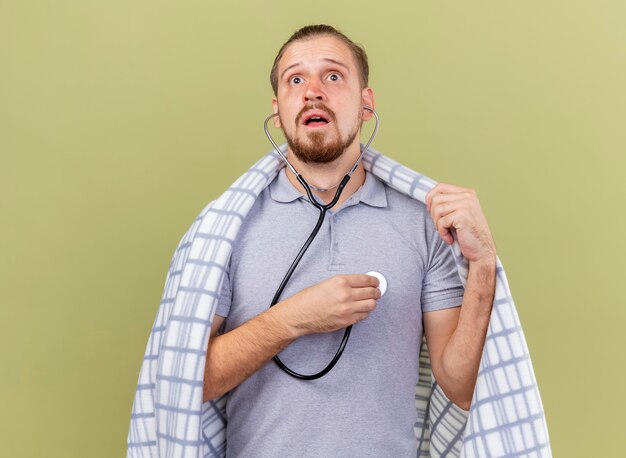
point(323, 208)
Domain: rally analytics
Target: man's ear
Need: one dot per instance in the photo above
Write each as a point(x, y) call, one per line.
point(276, 118)
point(367, 100)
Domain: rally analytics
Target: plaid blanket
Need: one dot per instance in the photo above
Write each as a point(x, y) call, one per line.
point(169, 419)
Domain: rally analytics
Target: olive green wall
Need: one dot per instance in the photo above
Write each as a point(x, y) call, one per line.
point(119, 120)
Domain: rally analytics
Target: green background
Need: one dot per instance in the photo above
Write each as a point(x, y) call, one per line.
point(120, 120)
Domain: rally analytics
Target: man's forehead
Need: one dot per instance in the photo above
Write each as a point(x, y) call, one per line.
point(323, 48)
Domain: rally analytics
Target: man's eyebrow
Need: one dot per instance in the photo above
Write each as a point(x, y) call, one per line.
point(288, 68)
point(326, 59)
point(336, 62)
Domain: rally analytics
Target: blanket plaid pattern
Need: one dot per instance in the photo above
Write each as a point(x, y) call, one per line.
point(169, 419)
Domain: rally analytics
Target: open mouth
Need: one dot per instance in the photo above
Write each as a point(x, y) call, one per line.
point(316, 120)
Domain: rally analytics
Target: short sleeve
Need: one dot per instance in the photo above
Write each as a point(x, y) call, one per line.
point(441, 287)
point(224, 298)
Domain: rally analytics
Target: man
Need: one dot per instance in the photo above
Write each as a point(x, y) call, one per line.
point(363, 407)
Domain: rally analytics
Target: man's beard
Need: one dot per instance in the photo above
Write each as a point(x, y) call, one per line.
point(316, 150)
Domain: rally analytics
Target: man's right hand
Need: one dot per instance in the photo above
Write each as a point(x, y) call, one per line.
point(332, 304)
point(327, 306)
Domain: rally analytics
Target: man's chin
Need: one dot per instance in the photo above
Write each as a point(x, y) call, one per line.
point(319, 147)
point(317, 154)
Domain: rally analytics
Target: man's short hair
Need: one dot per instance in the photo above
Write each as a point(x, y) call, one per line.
point(311, 31)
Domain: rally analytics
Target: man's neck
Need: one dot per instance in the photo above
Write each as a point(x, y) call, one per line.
point(326, 176)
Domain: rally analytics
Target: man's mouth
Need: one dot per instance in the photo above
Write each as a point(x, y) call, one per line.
point(315, 119)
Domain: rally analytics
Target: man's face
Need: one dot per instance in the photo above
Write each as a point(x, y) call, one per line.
point(320, 99)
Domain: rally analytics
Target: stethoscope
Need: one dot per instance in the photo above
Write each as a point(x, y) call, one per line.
point(323, 208)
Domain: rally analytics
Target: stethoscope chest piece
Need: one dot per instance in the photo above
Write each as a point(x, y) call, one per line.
point(382, 281)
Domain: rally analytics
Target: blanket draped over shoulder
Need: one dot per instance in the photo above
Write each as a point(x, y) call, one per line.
point(169, 419)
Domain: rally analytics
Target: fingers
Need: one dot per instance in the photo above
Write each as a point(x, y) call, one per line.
point(445, 208)
point(359, 280)
point(448, 216)
point(360, 287)
point(444, 226)
point(358, 294)
point(364, 306)
point(363, 309)
point(369, 292)
point(359, 299)
point(446, 190)
point(448, 205)
point(360, 316)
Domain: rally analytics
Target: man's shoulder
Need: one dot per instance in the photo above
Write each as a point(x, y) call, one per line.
point(399, 199)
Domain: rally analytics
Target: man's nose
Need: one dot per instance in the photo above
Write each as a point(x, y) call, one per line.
point(314, 91)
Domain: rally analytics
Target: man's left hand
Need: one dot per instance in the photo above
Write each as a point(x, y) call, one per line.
point(456, 209)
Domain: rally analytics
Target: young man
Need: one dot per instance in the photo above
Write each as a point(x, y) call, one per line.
point(364, 406)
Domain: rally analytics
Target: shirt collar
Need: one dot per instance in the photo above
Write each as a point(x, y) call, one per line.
point(372, 192)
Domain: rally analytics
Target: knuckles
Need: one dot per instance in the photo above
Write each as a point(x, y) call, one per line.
point(343, 295)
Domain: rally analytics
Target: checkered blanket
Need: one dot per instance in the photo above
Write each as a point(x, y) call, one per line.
point(169, 419)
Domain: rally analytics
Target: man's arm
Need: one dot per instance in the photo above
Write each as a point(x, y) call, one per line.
point(330, 305)
point(456, 336)
point(234, 356)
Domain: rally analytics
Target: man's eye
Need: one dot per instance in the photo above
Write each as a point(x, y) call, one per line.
point(334, 77)
point(296, 80)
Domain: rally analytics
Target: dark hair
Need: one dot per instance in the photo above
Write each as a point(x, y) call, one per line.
point(311, 31)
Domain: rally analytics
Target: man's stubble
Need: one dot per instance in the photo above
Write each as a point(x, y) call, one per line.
point(317, 150)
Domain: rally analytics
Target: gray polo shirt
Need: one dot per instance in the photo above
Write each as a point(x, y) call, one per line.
point(365, 406)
